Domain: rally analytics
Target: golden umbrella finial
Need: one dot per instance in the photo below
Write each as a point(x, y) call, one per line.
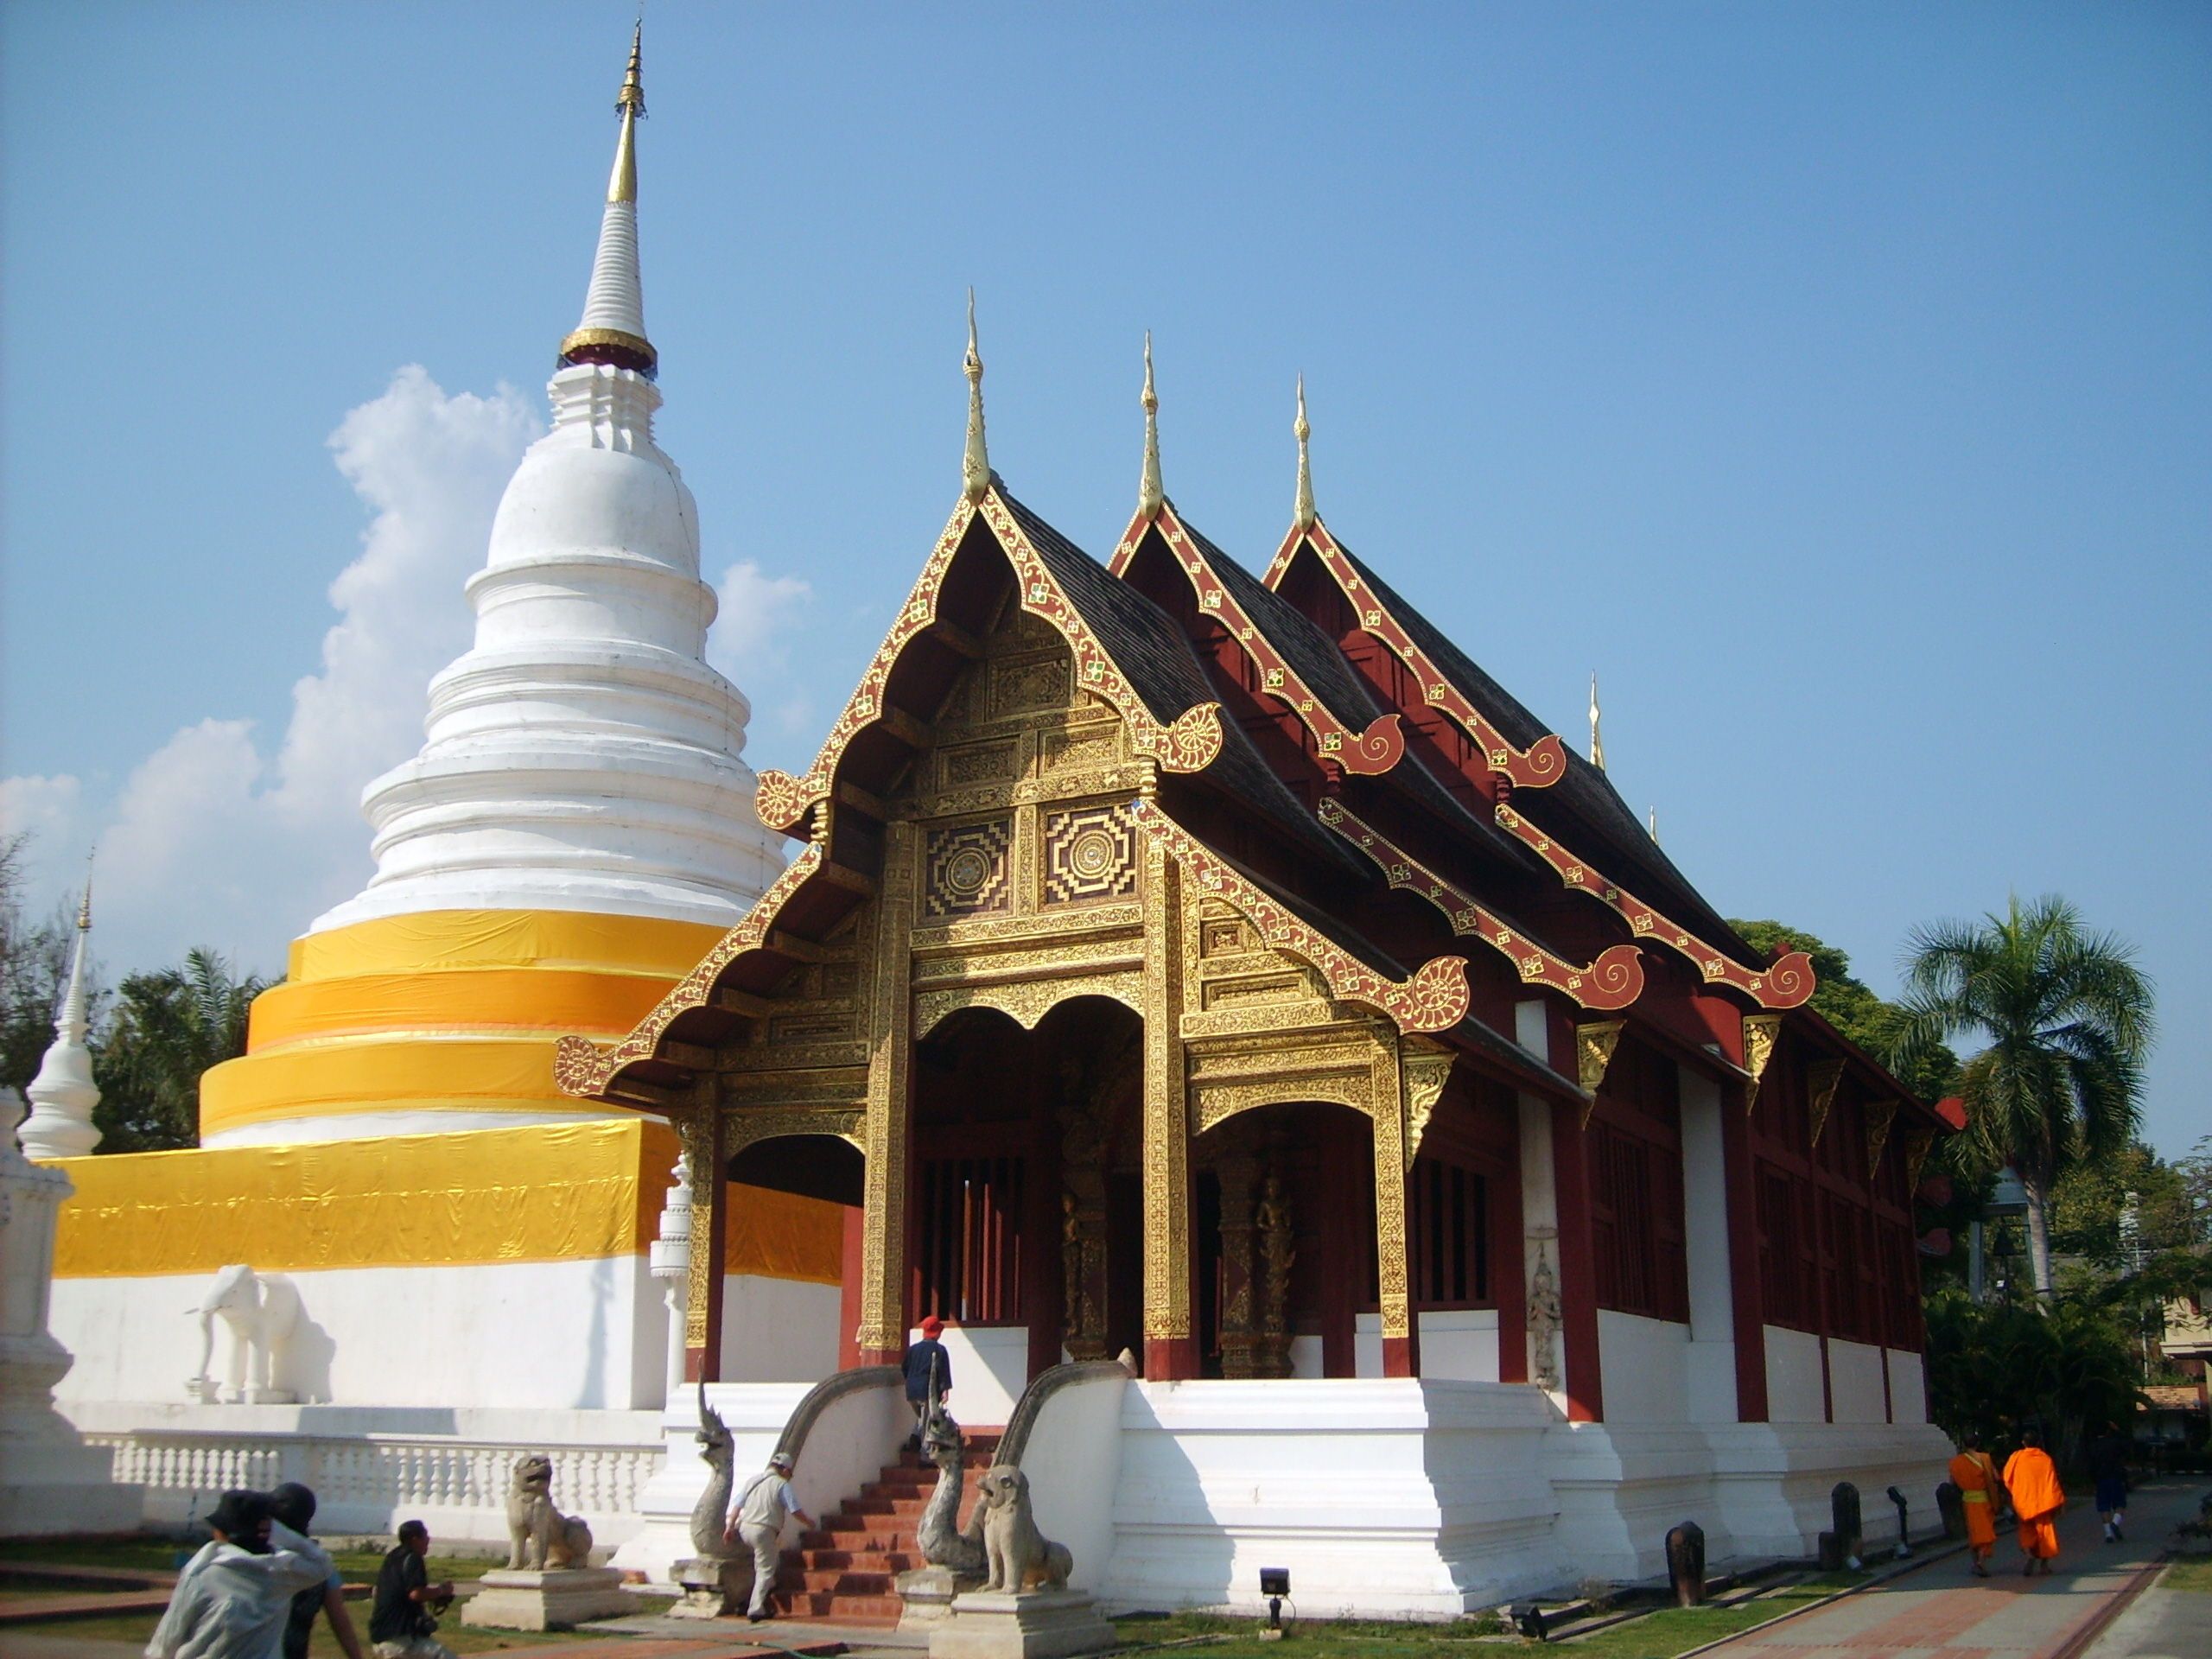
point(630, 102)
point(975, 461)
point(1303, 514)
point(1149, 495)
point(85, 908)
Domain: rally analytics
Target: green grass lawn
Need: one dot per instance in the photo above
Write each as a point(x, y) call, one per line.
point(158, 1555)
point(1659, 1636)
point(2193, 1574)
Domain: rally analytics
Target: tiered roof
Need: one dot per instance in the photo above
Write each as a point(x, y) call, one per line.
point(1294, 779)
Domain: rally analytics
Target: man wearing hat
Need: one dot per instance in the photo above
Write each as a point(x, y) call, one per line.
point(922, 1359)
point(759, 1522)
point(232, 1599)
point(293, 1505)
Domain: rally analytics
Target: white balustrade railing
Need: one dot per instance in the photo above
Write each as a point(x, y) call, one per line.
point(368, 1484)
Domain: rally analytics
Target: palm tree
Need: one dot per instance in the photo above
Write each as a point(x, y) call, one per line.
point(2068, 1017)
point(168, 1027)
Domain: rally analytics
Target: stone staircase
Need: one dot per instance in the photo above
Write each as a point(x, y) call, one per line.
point(842, 1571)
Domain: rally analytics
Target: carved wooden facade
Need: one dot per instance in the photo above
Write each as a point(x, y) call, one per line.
point(1170, 791)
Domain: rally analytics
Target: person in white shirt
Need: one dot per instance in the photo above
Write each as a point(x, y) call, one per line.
point(757, 1520)
point(234, 1598)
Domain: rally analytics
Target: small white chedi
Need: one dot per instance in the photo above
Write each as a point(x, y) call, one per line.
point(63, 1094)
point(50, 1480)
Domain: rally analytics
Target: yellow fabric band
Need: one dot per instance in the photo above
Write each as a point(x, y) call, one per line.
point(1973, 1497)
point(380, 1074)
point(437, 940)
point(547, 1193)
point(483, 999)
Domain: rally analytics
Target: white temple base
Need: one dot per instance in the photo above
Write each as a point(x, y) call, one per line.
point(1037, 1624)
point(60, 1486)
point(559, 1600)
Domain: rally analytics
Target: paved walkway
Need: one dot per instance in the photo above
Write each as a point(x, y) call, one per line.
point(1942, 1612)
point(2160, 1623)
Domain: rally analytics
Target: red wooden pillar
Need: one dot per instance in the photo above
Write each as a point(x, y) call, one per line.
point(1578, 1266)
point(1747, 1288)
point(849, 1290)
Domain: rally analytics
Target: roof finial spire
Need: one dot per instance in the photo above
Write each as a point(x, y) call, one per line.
point(85, 907)
point(612, 331)
point(975, 460)
point(1651, 825)
point(1303, 514)
point(1149, 494)
point(1597, 743)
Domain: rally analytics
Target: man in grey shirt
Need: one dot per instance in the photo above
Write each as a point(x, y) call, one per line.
point(759, 1522)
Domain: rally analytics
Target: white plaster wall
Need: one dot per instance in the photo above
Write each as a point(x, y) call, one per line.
point(1709, 1363)
point(1908, 1388)
point(1406, 1495)
point(1618, 1485)
point(778, 1329)
point(1307, 1357)
point(856, 1435)
point(1459, 1346)
point(1646, 1367)
point(1794, 1394)
point(371, 1126)
point(1855, 1382)
point(990, 1368)
point(584, 1335)
point(1075, 1469)
point(1773, 1480)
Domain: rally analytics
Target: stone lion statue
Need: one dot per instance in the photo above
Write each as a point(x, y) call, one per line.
point(539, 1535)
point(1015, 1554)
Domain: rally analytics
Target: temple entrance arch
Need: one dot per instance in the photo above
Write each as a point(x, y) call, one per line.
point(1024, 1206)
point(1285, 1242)
point(792, 1228)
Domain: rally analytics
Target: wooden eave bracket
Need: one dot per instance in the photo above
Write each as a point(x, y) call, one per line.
point(1823, 1077)
point(1368, 752)
point(1595, 1043)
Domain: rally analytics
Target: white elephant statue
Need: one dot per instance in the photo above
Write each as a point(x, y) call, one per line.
point(262, 1310)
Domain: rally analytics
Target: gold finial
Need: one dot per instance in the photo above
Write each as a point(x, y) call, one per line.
point(631, 101)
point(1149, 495)
point(975, 462)
point(1303, 514)
point(1597, 743)
point(85, 907)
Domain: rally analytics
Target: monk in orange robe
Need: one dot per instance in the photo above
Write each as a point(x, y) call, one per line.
point(1974, 1473)
point(2032, 1480)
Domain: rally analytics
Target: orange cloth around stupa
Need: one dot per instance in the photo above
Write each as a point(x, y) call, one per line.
point(1975, 1477)
point(2032, 1480)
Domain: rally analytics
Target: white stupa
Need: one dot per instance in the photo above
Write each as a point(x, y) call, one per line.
point(582, 755)
point(63, 1094)
point(579, 826)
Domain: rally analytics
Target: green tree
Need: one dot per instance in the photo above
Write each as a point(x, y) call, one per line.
point(2068, 1017)
point(1851, 1006)
point(167, 1028)
point(2001, 1367)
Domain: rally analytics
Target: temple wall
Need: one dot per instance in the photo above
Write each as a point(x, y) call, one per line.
point(990, 1368)
point(1646, 1367)
point(1908, 1388)
point(778, 1329)
point(1855, 1383)
point(587, 1334)
point(1794, 1389)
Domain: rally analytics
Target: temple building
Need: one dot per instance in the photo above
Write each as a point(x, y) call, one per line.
point(1333, 1132)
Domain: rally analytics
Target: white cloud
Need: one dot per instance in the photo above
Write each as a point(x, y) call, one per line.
point(212, 841)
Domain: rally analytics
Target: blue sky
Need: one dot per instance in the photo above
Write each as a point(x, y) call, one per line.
point(1832, 379)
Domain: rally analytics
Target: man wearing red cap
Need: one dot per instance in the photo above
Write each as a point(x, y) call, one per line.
point(926, 1364)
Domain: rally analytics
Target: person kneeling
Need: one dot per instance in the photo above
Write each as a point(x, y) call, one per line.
point(403, 1623)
